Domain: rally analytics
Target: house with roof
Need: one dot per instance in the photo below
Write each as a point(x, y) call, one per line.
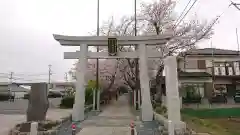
point(209, 71)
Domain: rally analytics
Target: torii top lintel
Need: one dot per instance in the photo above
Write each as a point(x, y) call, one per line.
point(103, 40)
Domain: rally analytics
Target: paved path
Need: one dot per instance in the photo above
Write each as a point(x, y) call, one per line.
point(114, 120)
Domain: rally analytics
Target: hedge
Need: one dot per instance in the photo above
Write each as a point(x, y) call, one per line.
point(5, 97)
point(68, 101)
point(212, 113)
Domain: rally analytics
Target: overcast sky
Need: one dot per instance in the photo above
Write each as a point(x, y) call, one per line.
point(26, 28)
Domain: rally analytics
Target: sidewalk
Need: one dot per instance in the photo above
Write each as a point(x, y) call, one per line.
point(114, 120)
point(8, 121)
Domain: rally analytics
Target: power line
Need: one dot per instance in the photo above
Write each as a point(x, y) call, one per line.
point(44, 74)
point(185, 14)
point(183, 11)
point(27, 74)
point(236, 5)
point(4, 74)
point(20, 78)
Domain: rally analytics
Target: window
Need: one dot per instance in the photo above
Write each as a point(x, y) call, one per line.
point(220, 88)
point(196, 89)
point(220, 68)
point(201, 64)
point(191, 64)
point(236, 68)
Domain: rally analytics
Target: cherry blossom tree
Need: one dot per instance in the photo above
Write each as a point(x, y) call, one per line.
point(158, 18)
point(153, 19)
point(109, 77)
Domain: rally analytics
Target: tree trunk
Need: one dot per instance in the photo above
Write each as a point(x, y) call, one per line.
point(38, 102)
point(159, 93)
point(159, 85)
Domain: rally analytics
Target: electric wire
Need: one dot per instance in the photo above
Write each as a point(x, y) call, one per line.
point(185, 15)
point(183, 11)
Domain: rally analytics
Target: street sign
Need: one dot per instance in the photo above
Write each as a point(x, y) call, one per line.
point(112, 47)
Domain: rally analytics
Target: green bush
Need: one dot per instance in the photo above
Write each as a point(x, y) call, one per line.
point(68, 101)
point(5, 96)
point(161, 109)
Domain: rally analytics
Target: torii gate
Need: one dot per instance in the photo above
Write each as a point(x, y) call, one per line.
point(141, 53)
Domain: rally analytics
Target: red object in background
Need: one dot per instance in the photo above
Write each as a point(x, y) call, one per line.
point(73, 126)
point(132, 128)
point(132, 124)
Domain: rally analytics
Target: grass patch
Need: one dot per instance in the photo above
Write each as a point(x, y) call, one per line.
point(220, 121)
point(212, 113)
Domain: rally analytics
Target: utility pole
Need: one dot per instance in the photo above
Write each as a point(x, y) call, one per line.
point(213, 69)
point(49, 76)
point(137, 92)
point(10, 85)
point(237, 40)
point(97, 64)
point(66, 77)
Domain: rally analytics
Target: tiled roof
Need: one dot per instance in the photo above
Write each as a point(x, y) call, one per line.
point(210, 51)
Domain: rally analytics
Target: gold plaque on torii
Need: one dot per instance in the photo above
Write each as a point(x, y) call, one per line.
point(112, 46)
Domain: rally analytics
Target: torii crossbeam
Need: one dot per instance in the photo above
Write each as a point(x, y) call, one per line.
point(141, 53)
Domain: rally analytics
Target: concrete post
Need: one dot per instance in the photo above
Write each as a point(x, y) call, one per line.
point(146, 108)
point(134, 98)
point(139, 100)
point(94, 99)
point(171, 128)
point(98, 99)
point(34, 128)
point(172, 93)
point(78, 107)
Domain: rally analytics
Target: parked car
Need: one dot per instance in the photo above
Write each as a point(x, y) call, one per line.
point(51, 94)
point(237, 97)
point(55, 94)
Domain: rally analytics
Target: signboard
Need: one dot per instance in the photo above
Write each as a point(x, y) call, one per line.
point(112, 46)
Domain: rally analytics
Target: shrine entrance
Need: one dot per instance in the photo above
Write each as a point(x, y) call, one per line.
point(173, 102)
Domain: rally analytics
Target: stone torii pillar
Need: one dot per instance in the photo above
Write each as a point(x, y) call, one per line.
point(147, 110)
point(79, 105)
point(172, 92)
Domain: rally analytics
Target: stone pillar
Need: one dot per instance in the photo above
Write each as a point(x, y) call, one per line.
point(79, 105)
point(34, 128)
point(94, 99)
point(38, 103)
point(98, 99)
point(172, 93)
point(146, 107)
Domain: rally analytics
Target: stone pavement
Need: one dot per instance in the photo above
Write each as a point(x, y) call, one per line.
point(8, 121)
point(114, 120)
